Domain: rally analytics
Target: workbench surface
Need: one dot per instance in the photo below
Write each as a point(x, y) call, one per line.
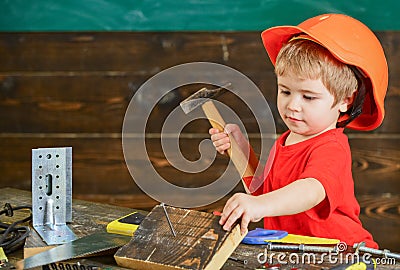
point(89, 217)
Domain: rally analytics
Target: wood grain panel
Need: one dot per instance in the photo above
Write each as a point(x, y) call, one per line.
point(87, 79)
point(139, 52)
point(144, 52)
point(99, 165)
point(98, 103)
point(380, 215)
point(81, 104)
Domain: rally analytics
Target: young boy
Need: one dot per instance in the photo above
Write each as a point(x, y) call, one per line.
point(331, 73)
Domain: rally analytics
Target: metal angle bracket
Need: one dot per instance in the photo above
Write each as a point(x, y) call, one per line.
point(52, 194)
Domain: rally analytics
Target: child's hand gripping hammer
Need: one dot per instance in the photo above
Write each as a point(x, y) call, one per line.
point(203, 98)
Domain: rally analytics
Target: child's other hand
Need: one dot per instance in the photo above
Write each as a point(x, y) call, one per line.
point(221, 140)
point(244, 206)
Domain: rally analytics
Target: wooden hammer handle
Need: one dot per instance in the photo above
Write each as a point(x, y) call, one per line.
point(236, 154)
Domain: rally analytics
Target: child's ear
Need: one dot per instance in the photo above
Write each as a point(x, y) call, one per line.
point(347, 102)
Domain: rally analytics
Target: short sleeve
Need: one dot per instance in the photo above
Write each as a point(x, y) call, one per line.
point(330, 164)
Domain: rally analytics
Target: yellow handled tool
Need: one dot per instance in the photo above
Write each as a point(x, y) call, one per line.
point(126, 225)
point(309, 240)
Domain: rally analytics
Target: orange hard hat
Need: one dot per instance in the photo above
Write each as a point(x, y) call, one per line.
point(352, 43)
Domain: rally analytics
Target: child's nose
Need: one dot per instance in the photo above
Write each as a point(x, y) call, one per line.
point(294, 104)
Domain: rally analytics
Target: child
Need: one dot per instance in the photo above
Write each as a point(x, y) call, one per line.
point(331, 73)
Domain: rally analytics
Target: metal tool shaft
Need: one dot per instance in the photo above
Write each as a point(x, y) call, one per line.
point(361, 247)
point(169, 221)
point(301, 248)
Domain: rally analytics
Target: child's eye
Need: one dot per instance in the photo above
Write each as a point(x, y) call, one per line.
point(308, 97)
point(285, 92)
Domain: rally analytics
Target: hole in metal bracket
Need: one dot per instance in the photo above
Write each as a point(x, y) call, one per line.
point(49, 184)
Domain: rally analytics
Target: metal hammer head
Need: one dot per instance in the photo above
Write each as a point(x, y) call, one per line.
point(200, 97)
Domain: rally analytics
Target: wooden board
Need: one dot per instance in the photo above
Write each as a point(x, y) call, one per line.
point(200, 242)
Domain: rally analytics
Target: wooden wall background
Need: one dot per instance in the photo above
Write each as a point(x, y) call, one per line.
point(72, 89)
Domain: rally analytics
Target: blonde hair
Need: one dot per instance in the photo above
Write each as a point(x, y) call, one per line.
point(309, 60)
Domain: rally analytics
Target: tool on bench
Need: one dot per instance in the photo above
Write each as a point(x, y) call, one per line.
point(85, 246)
point(360, 247)
point(260, 236)
point(203, 98)
point(3, 257)
point(309, 240)
point(4, 264)
point(301, 248)
point(118, 233)
point(126, 225)
point(263, 236)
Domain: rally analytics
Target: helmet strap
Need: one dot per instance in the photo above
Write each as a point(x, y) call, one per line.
point(358, 103)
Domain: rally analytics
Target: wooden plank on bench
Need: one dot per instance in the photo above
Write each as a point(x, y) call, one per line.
point(200, 242)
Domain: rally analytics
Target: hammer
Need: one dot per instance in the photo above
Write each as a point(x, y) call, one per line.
point(203, 98)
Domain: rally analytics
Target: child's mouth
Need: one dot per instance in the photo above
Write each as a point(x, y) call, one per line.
point(293, 119)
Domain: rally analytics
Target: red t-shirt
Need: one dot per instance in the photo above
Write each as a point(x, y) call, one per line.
point(327, 158)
